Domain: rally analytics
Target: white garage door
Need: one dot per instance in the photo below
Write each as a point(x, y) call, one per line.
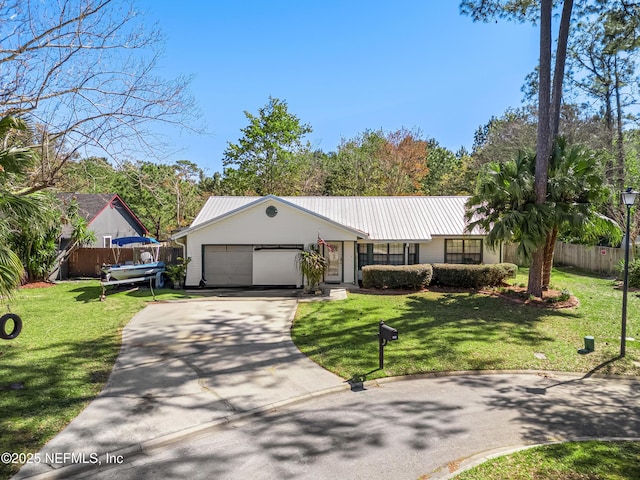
point(228, 265)
point(276, 267)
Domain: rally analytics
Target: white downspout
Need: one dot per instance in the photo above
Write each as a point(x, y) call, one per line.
point(184, 252)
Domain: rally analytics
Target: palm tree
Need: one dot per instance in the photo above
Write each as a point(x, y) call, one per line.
point(504, 203)
point(504, 206)
point(15, 159)
point(575, 189)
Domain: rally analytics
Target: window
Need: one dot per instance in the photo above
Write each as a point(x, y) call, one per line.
point(396, 254)
point(413, 254)
point(106, 241)
point(463, 251)
point(385, 254)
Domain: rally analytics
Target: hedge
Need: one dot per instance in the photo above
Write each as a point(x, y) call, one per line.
point(412, 277)
point(472, 276)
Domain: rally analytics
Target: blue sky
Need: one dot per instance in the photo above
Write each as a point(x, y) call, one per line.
point(342, 67)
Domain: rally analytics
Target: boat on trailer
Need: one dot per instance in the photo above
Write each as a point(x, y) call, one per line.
point(148, 267)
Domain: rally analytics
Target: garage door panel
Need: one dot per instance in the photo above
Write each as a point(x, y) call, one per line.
point(228, 265)
point(276, 267)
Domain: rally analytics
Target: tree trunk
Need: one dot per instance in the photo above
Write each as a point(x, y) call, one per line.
point(543, 147)
point(561, 60)
point(549, 248)
point(609, 171)
point(619, 177)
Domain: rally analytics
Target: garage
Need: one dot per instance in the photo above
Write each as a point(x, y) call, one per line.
point(276, 265)
point(228, 265)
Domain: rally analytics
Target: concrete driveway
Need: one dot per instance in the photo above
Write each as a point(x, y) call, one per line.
point(188, 370)
point(400, 429)
point(188, 364)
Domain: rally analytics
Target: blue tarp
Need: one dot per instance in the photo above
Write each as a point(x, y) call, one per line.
point(127, 240)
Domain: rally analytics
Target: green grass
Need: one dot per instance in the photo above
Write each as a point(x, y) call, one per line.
point(470, 331)
point(70, 341)
point(62, 358)
point(567, 461)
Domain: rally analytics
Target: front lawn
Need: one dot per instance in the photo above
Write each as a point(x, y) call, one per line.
point(442, 331)
point(61, 360)
point(567, 461)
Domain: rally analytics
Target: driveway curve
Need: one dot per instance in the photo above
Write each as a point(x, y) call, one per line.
point(214, 389)
point(185, 364)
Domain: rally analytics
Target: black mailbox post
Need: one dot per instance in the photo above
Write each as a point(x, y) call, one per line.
point(386, 334)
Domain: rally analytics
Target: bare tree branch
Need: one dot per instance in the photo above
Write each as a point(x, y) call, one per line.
point(84, 72)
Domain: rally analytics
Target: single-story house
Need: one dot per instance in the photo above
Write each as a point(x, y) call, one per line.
point(254, 241)
point(107, 215)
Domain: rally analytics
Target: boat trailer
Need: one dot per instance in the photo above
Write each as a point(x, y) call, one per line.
point(156, 279)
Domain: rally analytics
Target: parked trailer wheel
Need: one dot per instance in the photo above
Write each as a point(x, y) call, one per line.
point(17, 326)
point(159, 280)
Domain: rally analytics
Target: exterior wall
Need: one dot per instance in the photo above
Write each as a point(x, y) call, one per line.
point(433, 251)
point(116, 222)
point(489, 255)
point(350, 262)
point(193, 250)
point(252, 226)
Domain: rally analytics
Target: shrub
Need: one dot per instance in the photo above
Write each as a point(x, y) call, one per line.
point(177, 273)
point(472, 276)
point(412, 277)
point(312, 265)
point(634, 272)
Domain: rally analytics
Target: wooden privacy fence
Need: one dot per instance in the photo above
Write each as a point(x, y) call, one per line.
point(86, 262)
point(593, 259)
point(603, 260)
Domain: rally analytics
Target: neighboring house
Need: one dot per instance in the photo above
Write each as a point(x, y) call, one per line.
point(254, 241)
point(108, 217)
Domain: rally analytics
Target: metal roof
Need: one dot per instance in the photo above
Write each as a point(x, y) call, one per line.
point(409, 218)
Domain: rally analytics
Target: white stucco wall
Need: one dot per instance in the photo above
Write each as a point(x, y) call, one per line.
point(490, 255)
point(253, 227)
point(433, 251)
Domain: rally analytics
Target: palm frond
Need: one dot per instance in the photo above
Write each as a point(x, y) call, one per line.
point(11, 271)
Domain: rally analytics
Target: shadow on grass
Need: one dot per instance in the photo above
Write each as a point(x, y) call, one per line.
point(52, 393)
point(618, 460)
point(466, 330)
point(92, 293)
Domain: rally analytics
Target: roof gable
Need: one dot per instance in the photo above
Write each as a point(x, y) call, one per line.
point(413, 218)
point(218, 208)
point(91, 205)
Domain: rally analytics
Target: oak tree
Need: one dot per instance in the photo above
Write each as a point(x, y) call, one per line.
point(263, 161)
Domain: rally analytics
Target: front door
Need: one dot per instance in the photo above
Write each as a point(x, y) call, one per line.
point(333, 253)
